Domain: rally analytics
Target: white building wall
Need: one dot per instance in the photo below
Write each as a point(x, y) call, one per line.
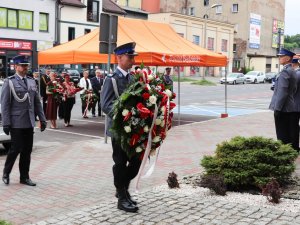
point(37, 6)
point(76, 17)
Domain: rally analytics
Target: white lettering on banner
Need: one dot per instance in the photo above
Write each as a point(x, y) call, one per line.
point(24, 45)
point(184, 59)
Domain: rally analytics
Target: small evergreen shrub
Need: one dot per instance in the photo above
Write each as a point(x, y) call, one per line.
point(214, 182)
point(251, 162)
point(3, 222)
point(172, 180)
point(273, 191)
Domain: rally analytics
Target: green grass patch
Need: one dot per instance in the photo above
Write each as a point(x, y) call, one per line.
point(183, 79)
point(204, 82)
point(3, 222)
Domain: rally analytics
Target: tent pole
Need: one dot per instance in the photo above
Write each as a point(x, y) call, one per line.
point(178, 97)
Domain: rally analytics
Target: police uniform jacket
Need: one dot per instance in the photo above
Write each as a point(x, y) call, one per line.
point(297, 94)
point(20, 114)
point(108, 95)
point(284, 90)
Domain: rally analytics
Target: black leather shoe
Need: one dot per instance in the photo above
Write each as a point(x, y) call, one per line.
point(5, 178)
point(128, 197)
point(124, 203)
point(28, 182)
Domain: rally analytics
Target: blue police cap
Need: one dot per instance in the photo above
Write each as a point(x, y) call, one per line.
point(284, 51)
point(21, 59)
point(295, 60)
point(127, 49)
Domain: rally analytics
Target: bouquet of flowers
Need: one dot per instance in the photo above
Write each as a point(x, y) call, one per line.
point(142, 114)
point(89, 97)
point(56, 89)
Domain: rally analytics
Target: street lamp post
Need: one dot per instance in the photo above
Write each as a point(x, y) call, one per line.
point(280, 31)
point(205, 29)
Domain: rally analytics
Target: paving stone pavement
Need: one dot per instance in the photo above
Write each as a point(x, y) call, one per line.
point(75, 182)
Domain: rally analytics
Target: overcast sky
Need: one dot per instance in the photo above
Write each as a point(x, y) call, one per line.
point(292, 17)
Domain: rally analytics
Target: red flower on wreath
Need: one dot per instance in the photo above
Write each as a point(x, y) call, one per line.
point(127, 116)
point(144, 112)
point(134, 139)
point(146, 96)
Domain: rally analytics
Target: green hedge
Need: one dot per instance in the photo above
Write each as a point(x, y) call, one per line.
point(247, 162)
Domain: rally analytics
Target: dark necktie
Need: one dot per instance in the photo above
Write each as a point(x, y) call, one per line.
point(87, 84)
point(25, 81)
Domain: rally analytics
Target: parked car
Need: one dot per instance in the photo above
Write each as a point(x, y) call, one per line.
point(5, 140)
point(255, 77)
point(74, 74)
point(234, 78)
point(270, 76)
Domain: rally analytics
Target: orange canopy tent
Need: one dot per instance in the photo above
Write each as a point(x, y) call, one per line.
point(157, 44)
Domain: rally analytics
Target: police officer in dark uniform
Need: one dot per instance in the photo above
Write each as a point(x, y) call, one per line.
point(283, 104)
point(124, 169)
point(19, 102)
point(295, 64)
point(167, 78)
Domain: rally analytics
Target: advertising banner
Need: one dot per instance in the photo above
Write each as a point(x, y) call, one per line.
point(254, 34)
point(10, 44)
point(25, 20)
point(3, 17)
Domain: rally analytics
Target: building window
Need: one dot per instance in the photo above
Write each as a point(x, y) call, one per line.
point(196, 39)
point(71, 34)
point(206, 2)
point(210, 43)
point(236, 64)
point(234, 48)
point(3, 17)
point(224, 45)
point(25, 20)
point(235, 8)
point(44, 21)
point(86, 31)
point(181, 34)
point(219, 9)
point(183, 10)
point(192, 11)
point(12, 18)
point(93, 11)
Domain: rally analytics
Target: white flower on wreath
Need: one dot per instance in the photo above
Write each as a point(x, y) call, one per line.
point(138, 149)
point(148, 86)
point(150, 77)
point(135, 121)
point(127, 129)
point(163, 108)
point(168, 92)
point(158, 121)
point(152, 99)
point(162, 124)
point(146, 129)
point(133, 111)
point(156, 139)
point(125, 112)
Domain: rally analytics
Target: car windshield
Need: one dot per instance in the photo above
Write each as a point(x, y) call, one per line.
point(233, 75)
point(73, 72)
point(253, 73)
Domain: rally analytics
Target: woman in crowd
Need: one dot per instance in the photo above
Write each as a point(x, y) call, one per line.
point(85, 85)
point(52, 98)
point(69, 99)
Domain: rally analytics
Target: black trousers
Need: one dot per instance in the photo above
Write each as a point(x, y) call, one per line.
point(68, 106)
point(61, 109)
point(287, 128)
point(22, 140)
point(98, 103)
point(125, 169)
point(45, 104)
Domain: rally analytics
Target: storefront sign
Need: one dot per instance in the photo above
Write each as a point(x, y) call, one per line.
point(24, 45)
point(2, 52)
point(24, 53)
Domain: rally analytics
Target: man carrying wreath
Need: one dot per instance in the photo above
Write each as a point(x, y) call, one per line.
point(125, 169)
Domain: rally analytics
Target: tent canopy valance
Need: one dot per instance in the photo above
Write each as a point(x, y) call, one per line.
point(157, 44)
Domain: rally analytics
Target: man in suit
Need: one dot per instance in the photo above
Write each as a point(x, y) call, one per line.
point(167, 78)
point(97, 83)
point(19, 102)
point(43, 85)
point(283, 104)
point(124, 169)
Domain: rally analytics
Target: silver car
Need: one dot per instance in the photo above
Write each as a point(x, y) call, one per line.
point(234, 78)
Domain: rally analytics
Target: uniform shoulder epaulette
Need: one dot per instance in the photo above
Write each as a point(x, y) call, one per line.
point(11, 77)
